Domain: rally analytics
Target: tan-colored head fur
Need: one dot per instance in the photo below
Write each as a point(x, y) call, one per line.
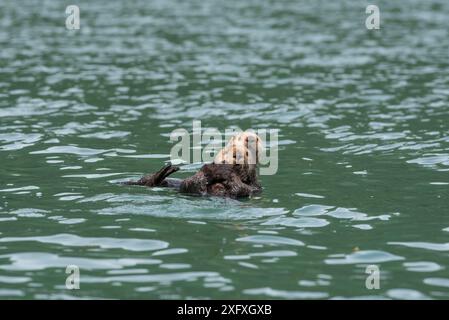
point(242, 148)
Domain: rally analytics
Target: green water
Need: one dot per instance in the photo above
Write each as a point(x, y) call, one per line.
point(363, 175)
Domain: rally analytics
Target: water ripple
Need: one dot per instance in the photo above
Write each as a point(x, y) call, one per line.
point(104, 243)
point(365, 256)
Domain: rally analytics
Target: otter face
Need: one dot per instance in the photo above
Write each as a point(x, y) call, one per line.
point(243, 148)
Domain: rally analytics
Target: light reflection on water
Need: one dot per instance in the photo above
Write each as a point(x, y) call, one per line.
point(364, 140)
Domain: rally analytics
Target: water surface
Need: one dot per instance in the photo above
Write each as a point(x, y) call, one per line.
point(363, 176)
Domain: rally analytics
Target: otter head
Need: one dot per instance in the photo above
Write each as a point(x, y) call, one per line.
point(243, 148)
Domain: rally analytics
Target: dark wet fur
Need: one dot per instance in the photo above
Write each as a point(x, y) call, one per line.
point(225, 180)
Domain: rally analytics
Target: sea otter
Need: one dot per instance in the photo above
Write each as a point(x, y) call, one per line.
point(232, 174)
